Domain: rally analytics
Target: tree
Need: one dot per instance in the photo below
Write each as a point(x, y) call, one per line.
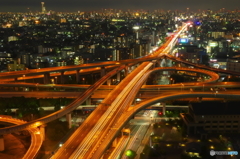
point(130, 153)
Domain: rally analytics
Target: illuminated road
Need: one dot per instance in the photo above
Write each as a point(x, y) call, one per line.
point(102, 122)
point(100, 150)
point(201, 66)
point(213, 78)
point(80, 99)
point(114, 100)
point(136, 139)
point(165, 48)
point(132, 111)
point(92, 147)
point(27, 76)
point(36, 136)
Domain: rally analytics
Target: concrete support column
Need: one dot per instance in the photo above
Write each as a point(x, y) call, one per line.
point(164, 108)
point(109, 82)
point(15, 80)
point(1, 143)
point(77, 76)
point(88, 101)
point(158, 63)
point(126, 70)
point(42, 131)
point(118, 76)
point(62, 77)
point(46, 78)
point(115, 142)
point(69, 120)
point(103, 71)
point(199, 99)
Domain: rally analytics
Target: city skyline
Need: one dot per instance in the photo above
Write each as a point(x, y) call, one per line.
point(96, 5)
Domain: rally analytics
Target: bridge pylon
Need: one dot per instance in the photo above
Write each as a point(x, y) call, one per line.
point(1, 143)
point(62, 77)
point(69, 120)
point(77, 76)
point(42, 130)
point(46, 78)
point(103, 71)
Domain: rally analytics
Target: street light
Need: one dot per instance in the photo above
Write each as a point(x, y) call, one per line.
point(37, 86)
point(52, 81)
point(172, 80)
point(56, 79)
point(83, 80)
point(24, 78)
point(182, 86)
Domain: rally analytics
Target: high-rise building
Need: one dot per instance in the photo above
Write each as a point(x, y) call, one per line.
point(43, 8)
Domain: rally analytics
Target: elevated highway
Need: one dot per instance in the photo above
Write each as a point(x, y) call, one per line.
point(36, 136)
point(165, 48)
point(117, 102)
point(133, 110)
point(200, 66)
point(80, 99)
point(103, 122)
point(120, 104)
point(214, 77)
point(98, 149)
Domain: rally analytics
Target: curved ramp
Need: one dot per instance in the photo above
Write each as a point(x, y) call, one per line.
point(36, 137)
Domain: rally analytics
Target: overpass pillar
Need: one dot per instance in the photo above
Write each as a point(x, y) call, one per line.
point(88, 101)
point(69, 120)
point(77, 76)
point(118, 76)
point(199, 99)
point(46, 78)
point(158, 63)
point(164, 108)
point(1, 143)
point(115, 142)
point(42, 131)
point(126, 69)
point(109, 82)
point(62, 77)
point(15, 80)
point(103, 71)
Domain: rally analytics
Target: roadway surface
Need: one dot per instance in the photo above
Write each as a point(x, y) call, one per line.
point(102, 123)
point(36, 136)
point(128, 115)
point(92, 148)
point(213, 75)
point(78, 101)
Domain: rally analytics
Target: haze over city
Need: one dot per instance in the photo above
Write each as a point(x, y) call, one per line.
point(90, 5)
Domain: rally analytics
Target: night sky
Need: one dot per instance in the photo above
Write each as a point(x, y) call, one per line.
point(97, 5)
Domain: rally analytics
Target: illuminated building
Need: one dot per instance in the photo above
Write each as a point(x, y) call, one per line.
point(233, 64)
point(43, 8)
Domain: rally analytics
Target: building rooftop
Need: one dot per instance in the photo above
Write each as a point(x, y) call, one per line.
point(216, 108)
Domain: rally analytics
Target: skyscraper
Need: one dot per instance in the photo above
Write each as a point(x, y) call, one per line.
point(43, 8)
